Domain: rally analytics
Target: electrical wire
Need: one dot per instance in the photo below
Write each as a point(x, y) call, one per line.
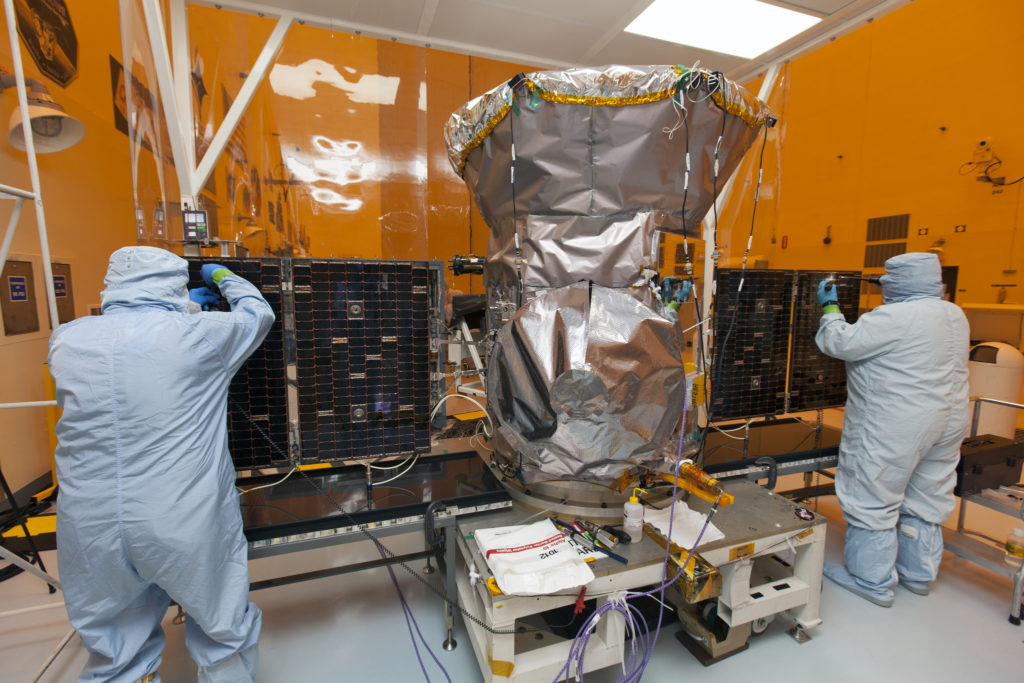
point(242, 492)
point(387, 553)
point(411, 459)
point(476, 441)
point(642, 643)
point(472, 400)
point(371, 483)
point(411, 456)
point(739, 288)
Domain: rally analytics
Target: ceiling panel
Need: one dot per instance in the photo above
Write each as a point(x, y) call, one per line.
point(505, 27)
point(628, 48)
point(822, 7)
point(399, 15)
point(557, 33)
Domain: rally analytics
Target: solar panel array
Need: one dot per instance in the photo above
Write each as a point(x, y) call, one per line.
point(764, 359)
point(257, 397)
point(363, 357)
point(362, 360)
point(751, 343)
point(817, 380)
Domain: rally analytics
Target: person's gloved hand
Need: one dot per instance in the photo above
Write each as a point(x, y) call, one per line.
point(205, 297)
point(827, 296)
point(683, 292)
point(826, 292)
point(213, 273)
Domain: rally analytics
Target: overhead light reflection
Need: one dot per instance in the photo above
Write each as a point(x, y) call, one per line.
point(299, 81)
point(332, 198)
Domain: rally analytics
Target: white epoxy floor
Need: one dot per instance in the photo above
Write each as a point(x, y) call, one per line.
point(350, 628)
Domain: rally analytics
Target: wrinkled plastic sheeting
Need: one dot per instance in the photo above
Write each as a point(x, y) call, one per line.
point(600, 164)
point(584, 382)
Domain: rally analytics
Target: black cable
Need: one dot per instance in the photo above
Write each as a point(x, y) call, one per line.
point(689, 269)
point(714, 188)
point(735, 310)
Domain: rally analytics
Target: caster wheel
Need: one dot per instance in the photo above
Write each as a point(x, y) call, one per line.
point(759, 626)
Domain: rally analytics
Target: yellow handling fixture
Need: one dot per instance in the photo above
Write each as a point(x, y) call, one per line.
point(691, 478)
point(699, 483)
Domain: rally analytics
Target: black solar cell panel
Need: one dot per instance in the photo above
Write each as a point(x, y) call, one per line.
point(815, 379)
point(363, 368)
point(748, 368)
point(257, 398)
point(362, 360)
point(764, 358)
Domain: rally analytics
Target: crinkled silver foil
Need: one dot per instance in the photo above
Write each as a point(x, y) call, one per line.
point(620, 151)
point(584, 382)
point(587, 377)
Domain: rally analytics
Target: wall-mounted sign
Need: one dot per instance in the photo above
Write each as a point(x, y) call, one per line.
point(17, 298)
point(45, 29)
point(19, 287)
point(63, 289)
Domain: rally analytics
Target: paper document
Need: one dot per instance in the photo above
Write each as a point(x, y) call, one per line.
point(532, 559)
point(685, 527)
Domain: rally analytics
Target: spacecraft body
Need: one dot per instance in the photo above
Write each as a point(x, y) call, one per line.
point(576, 172)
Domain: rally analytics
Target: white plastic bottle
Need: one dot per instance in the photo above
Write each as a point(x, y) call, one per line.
point(633, 517)
point(1015, 547)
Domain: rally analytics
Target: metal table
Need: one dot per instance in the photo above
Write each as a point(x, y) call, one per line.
point(293, 516)
point(1008, 500)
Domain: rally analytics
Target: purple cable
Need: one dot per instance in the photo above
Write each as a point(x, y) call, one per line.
point(407, 611)
point(579, 645)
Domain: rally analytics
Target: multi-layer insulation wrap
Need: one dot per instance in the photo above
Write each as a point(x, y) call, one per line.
point(586, 376)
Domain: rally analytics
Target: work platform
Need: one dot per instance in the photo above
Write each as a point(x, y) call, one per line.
point(770, 561)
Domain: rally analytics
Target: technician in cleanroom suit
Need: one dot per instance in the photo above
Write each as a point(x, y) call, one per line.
point(147, 510)
point(906, 414)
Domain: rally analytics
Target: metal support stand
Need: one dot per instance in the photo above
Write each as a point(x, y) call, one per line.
point(799, 634)
point(809, 476)
point(19, 520)
point(449, 582)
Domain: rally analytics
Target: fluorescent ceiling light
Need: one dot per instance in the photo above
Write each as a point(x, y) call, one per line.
point(745, 28)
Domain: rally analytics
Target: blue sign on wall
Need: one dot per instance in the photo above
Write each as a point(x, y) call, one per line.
point(19, 287)
point(60, 285)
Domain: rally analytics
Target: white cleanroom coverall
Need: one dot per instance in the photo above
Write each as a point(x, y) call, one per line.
point(147, 510)
point(906, 415)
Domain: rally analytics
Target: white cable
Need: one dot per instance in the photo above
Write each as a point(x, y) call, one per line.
point(476, 442)
point(400, 474)
point(680, 113)
point(702, 322)
point(242, 492)
point(394, 467)
point(472, 400)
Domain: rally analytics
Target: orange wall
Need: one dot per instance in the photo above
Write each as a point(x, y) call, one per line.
point(878, 123)
point(378, 183)
point(87, 200)
point(356, 157)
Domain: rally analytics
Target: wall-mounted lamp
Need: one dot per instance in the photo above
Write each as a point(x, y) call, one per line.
point(53, 130)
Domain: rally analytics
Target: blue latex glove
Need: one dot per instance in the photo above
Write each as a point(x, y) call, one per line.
point(205, 297)
point(683, 291)
point(826, 293)
point(213, 273)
